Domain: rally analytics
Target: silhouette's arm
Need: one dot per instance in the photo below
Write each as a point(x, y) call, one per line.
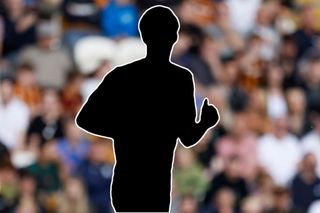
point(191, 131)
point(95, 115)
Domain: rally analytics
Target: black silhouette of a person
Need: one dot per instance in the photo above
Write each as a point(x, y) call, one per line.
point(145, 106)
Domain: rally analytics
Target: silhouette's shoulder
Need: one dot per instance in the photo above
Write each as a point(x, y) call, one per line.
point(182, 71)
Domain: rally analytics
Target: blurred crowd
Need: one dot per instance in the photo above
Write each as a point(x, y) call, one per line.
point(258, 61)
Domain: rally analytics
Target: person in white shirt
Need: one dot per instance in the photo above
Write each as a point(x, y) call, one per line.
point(311, 141)
point(14, 114)
point(243, 14)
point(279, 152)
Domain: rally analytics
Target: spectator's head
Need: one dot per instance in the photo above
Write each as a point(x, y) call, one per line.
point(48, 33)
point(308, 19)
point(48, 153)
point(159, 28)
point(188, 204)
point(14, 7)
point(225, 200)
point(232, 168)
point(74, 189)
point(240, 124)
point(73, 198)
point(309, 164)
point(296, 101)
point(51, 103)
point(6, 87)
point(282, 199)
point(315, 119)
point(251, 205)
point(275, 75)
point(265, 183)
point(97, 152)
point(73, 133)
point(313, 72)
point(289, 47)
point(231, 70)
point(184, 157)
point(280, 126)
point(27, 183)
point(25, 75)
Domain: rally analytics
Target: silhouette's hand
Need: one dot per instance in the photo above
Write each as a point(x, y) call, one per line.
point(209, 114)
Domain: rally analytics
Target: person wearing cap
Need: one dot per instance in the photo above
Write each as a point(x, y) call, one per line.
point(50, 61)
point(14, 115)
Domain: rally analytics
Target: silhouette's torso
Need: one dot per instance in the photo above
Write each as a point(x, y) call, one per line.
point(141, 107)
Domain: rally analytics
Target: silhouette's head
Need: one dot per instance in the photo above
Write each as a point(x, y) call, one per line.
point(159, 28)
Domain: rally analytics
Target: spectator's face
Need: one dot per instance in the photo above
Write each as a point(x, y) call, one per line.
point(225, 200)
point(296, 101)
point(308, 18)
point(26, 78)
point(6, 90)
point(309, 163)
point(239, 124)
point(14, 6)
point(233, 168)
point(74, 189)
point(98, 152)
point(188, 205)
point(280, 126)
point(282, 202)
point(314, 72)
point(51, 103)
point(27, 185)
point(231, 72)
point(183, 44)
point(275, 76)
point(73, 133)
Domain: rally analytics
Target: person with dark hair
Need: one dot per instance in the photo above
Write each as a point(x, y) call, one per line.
point(14, 114)
point(26, 87)
point(48, 125)
point(145, 127)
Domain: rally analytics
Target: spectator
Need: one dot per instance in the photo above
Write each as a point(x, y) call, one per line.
point(46, 172)
point(27, 89)
point(73, 198)
point(263, 190)
point(189, 204)
point(73, 148)
point(279, 152)
point(120, 19)
point(188, 174)
point(305, 183)
point(224, 201)
point(230, 178)
point(276, 102)
point(251, 205)
point(307, 31)
point(243, 14)
point(296, 111)
point(14, 115)
point(19, 27)
point(48, 125)
point(45, 54)
point(71, 93)
point(239, 142)
point(311, 141)
point(97, 175)
point(28, 201)
point(282, 202)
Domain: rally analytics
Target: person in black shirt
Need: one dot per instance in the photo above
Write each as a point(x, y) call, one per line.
point(48, 125)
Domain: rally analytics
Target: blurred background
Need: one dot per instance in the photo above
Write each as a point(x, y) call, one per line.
point(258, 61)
